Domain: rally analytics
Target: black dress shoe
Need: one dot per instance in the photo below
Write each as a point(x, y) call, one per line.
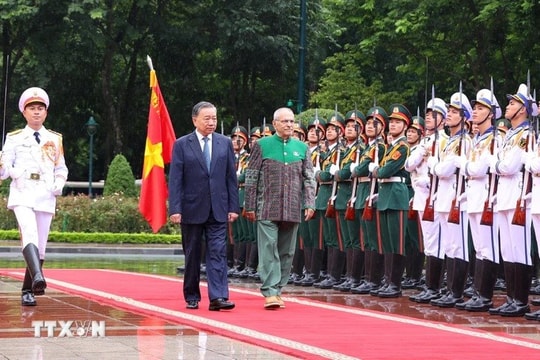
point(517, 308)
point(220, 304)
point(365, 288)
point(391, 291)
point(533, 316)
point(535, 301)
point(192, 305)
point(28, 299)
point(497, 310)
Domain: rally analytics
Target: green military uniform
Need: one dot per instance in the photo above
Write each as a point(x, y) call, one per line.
point(393, 205)
point(350, 229)
point(326, 197)
point(370, 241)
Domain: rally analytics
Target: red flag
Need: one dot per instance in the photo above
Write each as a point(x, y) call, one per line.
point(157, 153)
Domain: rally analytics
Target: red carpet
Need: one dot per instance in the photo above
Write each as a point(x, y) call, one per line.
point(305, 329)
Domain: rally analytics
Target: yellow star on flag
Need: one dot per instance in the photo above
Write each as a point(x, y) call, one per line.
point(152, 157)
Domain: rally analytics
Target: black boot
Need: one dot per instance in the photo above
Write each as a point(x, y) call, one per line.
point(387, 271)
point(31, 256)
point(449, 263)
point(478, 263)
point(27, 296)
point(434, 267)
point(482, 301)
point(393, 289)
point(346, 285)
point(522, 280)
point(315, 268)
point(459, 279)
point(362, 287)
point(509, 270)
point(357, 270)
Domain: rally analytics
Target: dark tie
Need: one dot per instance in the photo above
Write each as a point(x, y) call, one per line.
point(36, 135)
point(206, 153)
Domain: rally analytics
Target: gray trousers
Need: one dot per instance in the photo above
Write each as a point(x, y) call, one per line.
point(276, 245)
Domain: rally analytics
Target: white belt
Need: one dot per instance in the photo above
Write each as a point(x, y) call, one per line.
point(364, 179)
point(393, 179)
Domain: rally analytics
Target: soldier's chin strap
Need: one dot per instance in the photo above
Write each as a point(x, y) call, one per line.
point(515, 114)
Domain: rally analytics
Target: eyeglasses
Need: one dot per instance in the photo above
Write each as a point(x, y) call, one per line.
point(286, 121)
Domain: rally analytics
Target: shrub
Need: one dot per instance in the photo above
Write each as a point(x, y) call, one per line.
point(120, 179)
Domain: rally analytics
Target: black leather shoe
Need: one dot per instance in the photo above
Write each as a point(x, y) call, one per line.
point(27, 298)
point(533, 316)
point(426, 296)
point(220, 304)
point(535, 301)
point(364, 288)
point(517, 308)
point(192, 305)
point(478, 304)
point(497, 310)
point(448, 301)
point(391, 291)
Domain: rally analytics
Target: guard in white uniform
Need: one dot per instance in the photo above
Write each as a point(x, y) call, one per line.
point(431, 145)
point(485, 237)
point(454, 235)
point(515, 240)
point(34, 159)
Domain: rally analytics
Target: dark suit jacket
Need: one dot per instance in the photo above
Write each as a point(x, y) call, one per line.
point(193, 191)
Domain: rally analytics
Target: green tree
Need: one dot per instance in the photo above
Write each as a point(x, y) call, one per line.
point(120, 179)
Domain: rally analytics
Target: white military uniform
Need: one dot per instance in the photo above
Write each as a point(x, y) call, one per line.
point(37, 171)
point(419, 170)
point(532, 164)
point(455, 236)
point(485, 238)
point(515, 239)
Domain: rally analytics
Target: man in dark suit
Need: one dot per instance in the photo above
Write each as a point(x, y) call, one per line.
point(203, 197)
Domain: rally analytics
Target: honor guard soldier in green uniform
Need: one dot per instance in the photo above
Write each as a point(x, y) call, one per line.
point(414, 244)
point(393, 200)
point(365, 207)
point(325, 202)
point(297, 272)
point(314, 240)
point(242, 232)
point(349, 229)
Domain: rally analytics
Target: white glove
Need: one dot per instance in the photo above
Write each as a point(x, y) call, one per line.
point(493, 165)
point(421, 182)
point(58, 186)
point(353, 166)
point(372, 166)
point(460, 162)
point(317, 168)
point(333, 169)
point(16, 173)
point(431, 162)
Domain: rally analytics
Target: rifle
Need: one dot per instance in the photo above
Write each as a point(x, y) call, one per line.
point(368, 207)
point(487, 213)
point(519, 217)
point(330, 208)
point(350, 212)
point(453, 216)
point(429, 211)
point(413, 214)
point(318, 147)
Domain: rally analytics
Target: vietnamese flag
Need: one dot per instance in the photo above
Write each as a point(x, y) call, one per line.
point(157, 153)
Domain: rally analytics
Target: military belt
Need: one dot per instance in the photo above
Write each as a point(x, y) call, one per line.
point(34, 176)
point(364, 179)
point(393, 179)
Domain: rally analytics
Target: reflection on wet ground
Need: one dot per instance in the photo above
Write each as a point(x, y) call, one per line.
point(130, 335)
